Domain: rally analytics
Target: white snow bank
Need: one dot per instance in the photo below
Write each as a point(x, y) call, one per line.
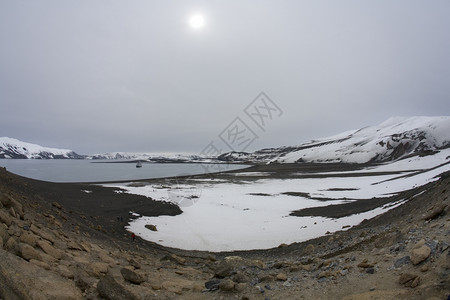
point(225, 216)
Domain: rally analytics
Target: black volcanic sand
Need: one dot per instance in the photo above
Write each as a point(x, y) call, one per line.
point(104, 211)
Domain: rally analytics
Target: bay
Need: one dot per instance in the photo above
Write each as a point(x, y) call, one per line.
point(74, 170)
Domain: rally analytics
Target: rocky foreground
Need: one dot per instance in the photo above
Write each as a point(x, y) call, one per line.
point(49, 251)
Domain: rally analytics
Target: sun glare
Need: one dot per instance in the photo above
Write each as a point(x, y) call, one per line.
point(197, 21)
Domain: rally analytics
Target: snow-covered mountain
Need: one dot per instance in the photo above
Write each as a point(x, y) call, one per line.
point(391, 140)
point(153, 157)
point(12, 148)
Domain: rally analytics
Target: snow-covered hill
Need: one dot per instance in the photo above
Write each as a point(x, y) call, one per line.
point(12, 148)
point(391, 140)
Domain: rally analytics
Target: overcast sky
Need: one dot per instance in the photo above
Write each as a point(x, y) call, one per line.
point(98, 76)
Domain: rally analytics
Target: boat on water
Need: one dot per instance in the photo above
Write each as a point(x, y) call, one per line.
point(139, 164)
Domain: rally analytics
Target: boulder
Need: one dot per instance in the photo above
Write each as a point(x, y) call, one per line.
point(409, 280)
point(98, 268)
point(11, 245)
point(83, 281)
point(40, 264)
point(223, 270)
point(64, 271)
point(29, 238)
point(420, 254)
point(74, 246)
point(27, 252)
point(23, 280)
point(226, 285)
point(57, 205)
point(281, 276)
point(134, 263)
point(132, 276)
point(436, 212)
point(12, 212)
point(110, 289)
point(43, 234)
point(174, 258)
point(9, 202)
point(365, 265)
point(5, 218)
point(151, 227)
point(309, 249)
point(49, 249)
point(4, 232)
point(240, 277)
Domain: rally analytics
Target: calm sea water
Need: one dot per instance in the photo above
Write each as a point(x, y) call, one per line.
point(71, 170)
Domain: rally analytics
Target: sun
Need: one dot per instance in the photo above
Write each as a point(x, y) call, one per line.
point(197, 21)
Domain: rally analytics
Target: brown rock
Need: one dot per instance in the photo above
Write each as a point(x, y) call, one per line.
point(326, 274)
point(14, 230)
point(408, 279)
point(266, 278)
point(174, 258)
point(212, 257)
point(281, 276)
point(197, 287)
point(226, 285)
point(5, 218)
point(12, 212)
point(240, 277)
point(132, 276)
point(436, 212)
point(151, 227)
point(41, 264)
point(98, 268)
point(365, 265)
point(43, 234)
point(223, 270)
point(307, 268)
point(415, 282)
point(240, 287)
point(425, 268)
point(49, 249)
point(84, 281)
point(64, 271)
point(57, 205)
point(110, 289)
point(23, 280)
point(134, 263)
point(9, 202)
point(4, 232)
point(74, 246)
point(258, 263)
point(309, 249)
point(105, 257)
point(27, 252)
point(420, 254)
point(29, 238)
point(11, 245)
